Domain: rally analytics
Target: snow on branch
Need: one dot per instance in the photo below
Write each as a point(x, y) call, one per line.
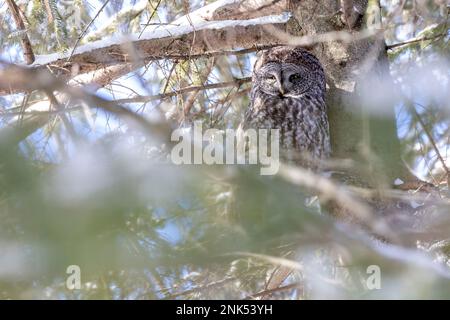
point(95, 49)
point(222, 26)
point(159, 42)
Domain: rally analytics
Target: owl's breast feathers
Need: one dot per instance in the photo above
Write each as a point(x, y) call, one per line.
point(302, 121)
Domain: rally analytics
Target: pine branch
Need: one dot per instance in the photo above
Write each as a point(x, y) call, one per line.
point(211, 54)
point(433, 143)
point(173, 41)
point(48, 8)
point(32, 79)
point(86, 29)
point(269, 292)
point(201, 288)
point(26, 44)
point(234, 83)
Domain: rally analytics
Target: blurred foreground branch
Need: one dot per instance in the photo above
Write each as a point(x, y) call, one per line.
point(32, 79)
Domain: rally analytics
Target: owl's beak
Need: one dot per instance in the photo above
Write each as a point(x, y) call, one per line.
point(280, 88)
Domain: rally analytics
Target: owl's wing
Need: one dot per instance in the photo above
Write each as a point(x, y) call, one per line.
point(256, 104)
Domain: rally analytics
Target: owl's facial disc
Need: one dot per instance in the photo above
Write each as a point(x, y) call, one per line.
point(284, 79)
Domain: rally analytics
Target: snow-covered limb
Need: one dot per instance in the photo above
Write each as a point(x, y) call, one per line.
point(158, 42)
point(94, 51)
point(223, 25)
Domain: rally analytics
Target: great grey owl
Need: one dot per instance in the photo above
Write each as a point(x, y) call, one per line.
point(288, 93)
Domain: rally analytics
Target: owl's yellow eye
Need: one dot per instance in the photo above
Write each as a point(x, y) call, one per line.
point(271, 77)
point(294, 77)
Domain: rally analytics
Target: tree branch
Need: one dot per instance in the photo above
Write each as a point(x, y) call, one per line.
point(215, 53)
point(235, 83)
point(26, 45)
point(433, 143)
point(202, 288)
point(400, 44)
point(269, 292)
point(161, 42)
point(31, 79)
point(86, 29)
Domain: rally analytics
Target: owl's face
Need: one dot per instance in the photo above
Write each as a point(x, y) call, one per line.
point(284, 79)
point(288, 72)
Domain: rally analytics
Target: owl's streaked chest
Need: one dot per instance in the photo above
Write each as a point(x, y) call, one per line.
point(302, 121)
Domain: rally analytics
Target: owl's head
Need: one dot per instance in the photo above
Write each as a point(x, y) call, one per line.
point(288, 72)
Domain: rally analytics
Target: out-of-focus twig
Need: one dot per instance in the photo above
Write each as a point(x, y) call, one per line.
point(353, 209)
point(49, 11)
point(32, 79)
point(433, 143)
point(201, 288)
point(69, 127)
point(269, 292)
point(309, 40)
point(189, 102)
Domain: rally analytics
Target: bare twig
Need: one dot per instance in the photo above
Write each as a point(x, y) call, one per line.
point(433, 143)
point(189, 102)
point(67, 124)
point(155, 9)
point(49, 11)
point(309, 40)
point(235, 83)
point(269, 292)
point(32, 79)
point(396, 45)
point(210, 54)
point(278, 276)
point(86, 29)
point(202, 288)
point(167, 78)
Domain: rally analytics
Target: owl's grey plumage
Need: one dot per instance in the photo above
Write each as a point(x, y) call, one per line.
point(288, 93)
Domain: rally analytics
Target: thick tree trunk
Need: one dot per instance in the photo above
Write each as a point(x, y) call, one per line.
point(367, 138)
point(358, 133)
